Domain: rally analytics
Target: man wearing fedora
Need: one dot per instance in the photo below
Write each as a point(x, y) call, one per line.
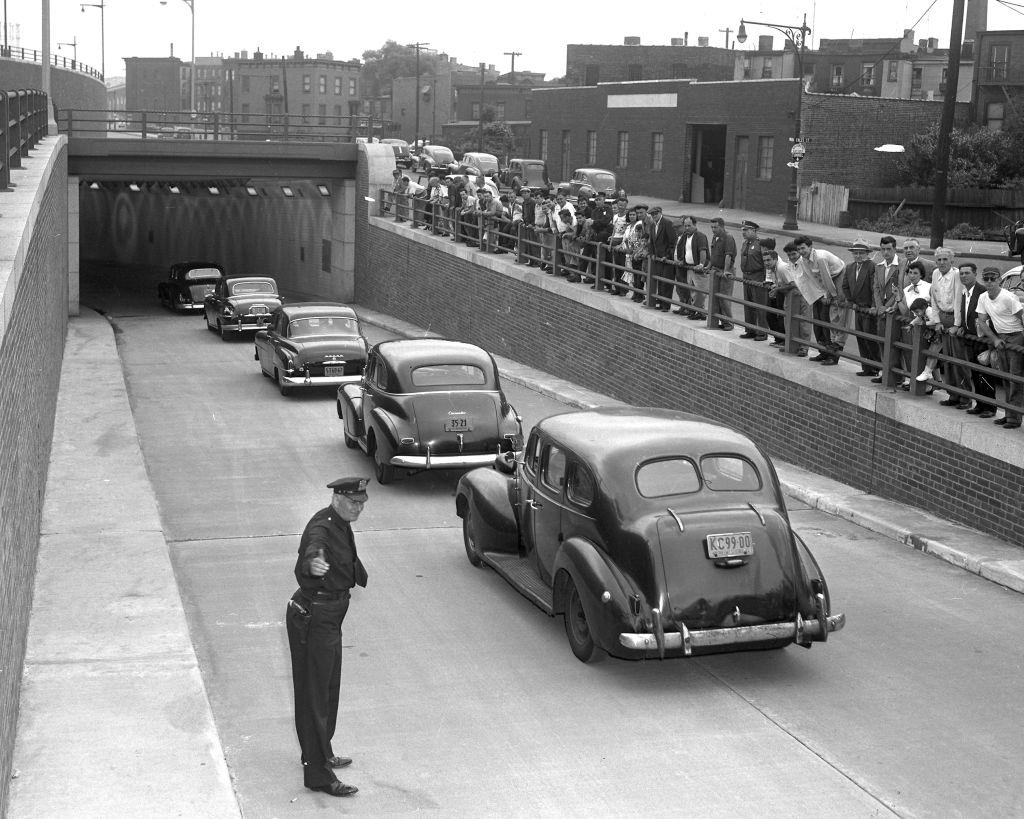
point(326, 569)
point(858, 289)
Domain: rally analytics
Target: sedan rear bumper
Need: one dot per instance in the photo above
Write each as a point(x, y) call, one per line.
point(443, 461)
point(320, 380)
point(248, 325)
point(798, 631)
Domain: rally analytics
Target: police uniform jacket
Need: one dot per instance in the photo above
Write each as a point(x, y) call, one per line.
point(328, 532)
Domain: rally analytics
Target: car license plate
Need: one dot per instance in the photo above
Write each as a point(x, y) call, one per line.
point(334, 372)
point(258, 310)
point(733, 544)
point(458, 425)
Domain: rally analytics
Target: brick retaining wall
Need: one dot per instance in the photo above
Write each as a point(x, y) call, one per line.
point(34, 292)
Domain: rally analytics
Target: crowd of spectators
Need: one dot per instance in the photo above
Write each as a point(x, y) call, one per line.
point(971, 329)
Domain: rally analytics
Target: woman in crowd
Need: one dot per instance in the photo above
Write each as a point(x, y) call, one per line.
point(637, 250)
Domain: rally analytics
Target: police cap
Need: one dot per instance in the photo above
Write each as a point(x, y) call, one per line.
point(352, 488)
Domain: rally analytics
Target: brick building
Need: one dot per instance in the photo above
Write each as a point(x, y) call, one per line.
point(631, 62)
point(678, 139)
point(999, 78)
point(153, 84)
point(440, 94)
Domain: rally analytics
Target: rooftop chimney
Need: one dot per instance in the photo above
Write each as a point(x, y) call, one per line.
point(976, 18)
point(677, 41)
point(933, 43)
point(703, 42)
point(631, 41)
point(765, 42)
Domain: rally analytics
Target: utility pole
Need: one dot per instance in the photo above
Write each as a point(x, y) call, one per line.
point(513, 55)
point(480, 124)
point(946, 125)
point(726, 31)
point(416, 131)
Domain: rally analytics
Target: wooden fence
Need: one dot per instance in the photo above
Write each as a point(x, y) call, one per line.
point(987, 208)
point(823, 203)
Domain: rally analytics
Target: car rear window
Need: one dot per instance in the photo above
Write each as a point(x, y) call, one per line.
point(729, 473)
point(202, 273)
point(245, 288)
point(602, 181)
point(448, 375)
point(322, 326)
point(669, 476)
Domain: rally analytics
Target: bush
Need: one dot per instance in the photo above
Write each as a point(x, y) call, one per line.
point(965, 230)
point(904, 222)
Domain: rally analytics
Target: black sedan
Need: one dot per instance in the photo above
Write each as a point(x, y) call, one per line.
point(654, 533)
point(187, 284)
point(311, 344)
point(240, 304)
point(428, 404)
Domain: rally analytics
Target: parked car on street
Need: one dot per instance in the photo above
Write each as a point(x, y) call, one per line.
point(403, 157)
point(428, 404)
point(187, 284)
point(433, 157)
point(654, 533)
point(526, 173)
point(240, 304)
point(589, 181)
point(311, 344)
point(478, 164)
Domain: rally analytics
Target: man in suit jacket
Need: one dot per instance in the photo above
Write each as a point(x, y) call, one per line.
point(663, 242)
point(858, 287)
point(912, 252)
point(691, 257)
point(887, 299)
point(981, 382)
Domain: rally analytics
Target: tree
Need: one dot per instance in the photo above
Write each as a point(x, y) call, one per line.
point(498, 140)
point(382, 65)
point(978, 157)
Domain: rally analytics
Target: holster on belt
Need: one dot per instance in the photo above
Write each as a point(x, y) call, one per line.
point(302, 618)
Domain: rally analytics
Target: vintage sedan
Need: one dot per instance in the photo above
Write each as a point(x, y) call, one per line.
point(187, 284)
point(654, 533)
point(240, 304)
point(588, 181)
point(311, 344)
point(432, 157)
point(428, 404)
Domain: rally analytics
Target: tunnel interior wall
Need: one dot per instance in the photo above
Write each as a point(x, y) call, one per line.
point(306, 241)
point(34, 298)
point(592, 340)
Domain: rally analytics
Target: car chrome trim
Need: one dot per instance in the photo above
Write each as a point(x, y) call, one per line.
point(797, 630)
point(442, 461)
point(679, 521)
point(318, 380)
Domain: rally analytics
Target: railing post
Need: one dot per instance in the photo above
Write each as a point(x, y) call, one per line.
point(648, 282)
point(917, 360)
point(414, 216)
point(709, 299)
point(888, 350)
point(599, 261)
point(789, 320)
point(16, 129)
point(5, 142)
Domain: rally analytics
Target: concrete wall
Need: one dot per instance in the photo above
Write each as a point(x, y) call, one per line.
point(266, 235)
point(33, 325)
point(68, 89)
point(909, 450)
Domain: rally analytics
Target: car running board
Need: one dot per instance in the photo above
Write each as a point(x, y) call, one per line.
point(522, 576)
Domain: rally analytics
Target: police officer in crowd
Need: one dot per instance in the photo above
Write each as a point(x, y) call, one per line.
point(327, 568)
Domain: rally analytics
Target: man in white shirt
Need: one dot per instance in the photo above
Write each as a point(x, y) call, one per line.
point(946, 294)
point(825, 269)
point(1000, 322)
point(799, 292)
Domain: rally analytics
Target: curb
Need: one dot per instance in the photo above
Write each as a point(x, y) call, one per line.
point(999, 563)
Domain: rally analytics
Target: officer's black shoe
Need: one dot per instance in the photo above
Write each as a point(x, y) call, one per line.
point(336, 788)
point(338, 762)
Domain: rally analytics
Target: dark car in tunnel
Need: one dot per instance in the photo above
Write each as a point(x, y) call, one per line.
point(188, 284)
point(241, 303)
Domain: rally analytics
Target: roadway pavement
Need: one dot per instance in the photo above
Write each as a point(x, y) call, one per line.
point(114, 715)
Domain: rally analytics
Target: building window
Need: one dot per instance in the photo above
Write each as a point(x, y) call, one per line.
point(593, 75)
point(353, 108)
point(994, 116)
point(306, 83)
point(305, 112)
point(322, 113)
point(321, 85)
point(566, 153)
point(499, 111)
point(765, 157)
point(657, 150)
point(942, 82)
point(894, 71)
point(544, 144)
point(527, 109)
point(622, 155)
point(766, 69)
point(867, 74)
point(591, 147)
point(351, 88)
point(337, 111)
point(634, 72)
point(245, 84)
point(245, 112)
point(275, 85)
point(915, 83)
point(999, 59)
point(337, 86)
point(474, 111)
point(837, 76)
point(746, 67)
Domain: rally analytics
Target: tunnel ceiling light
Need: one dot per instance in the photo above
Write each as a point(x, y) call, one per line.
point(214, 190)
point(324, 190)
point(251, 190)
point(94, 186)
point(134, 188)
point(174, 189)
point(287, 191)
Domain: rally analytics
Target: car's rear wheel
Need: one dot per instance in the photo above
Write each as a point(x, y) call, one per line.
point(209, 326)
point(469, 538)
point(350, 442)
point(222, 331)
point(281, 385)
point(581, 641)
point(384, 471)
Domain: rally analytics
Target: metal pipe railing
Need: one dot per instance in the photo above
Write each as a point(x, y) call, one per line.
point(24, 116)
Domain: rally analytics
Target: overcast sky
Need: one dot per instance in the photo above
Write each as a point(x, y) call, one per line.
point(147, 28)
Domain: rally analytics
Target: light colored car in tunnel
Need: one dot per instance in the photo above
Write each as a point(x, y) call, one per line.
point(241, 304)
point(187, 284)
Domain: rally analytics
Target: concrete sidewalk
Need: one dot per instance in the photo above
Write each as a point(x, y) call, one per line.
point(112, 689)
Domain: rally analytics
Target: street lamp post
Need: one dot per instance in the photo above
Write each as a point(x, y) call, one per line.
point(192, 73)
point(416, 131)
point(103, 34)
point(74, 50)
point(797, 35)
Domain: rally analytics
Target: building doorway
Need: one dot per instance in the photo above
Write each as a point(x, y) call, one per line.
point(741, 161)
point(707, 164)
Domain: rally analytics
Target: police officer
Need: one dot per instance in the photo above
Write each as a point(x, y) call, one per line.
point(327, 568)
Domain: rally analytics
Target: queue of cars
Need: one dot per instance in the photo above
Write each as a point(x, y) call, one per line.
point(653, 533)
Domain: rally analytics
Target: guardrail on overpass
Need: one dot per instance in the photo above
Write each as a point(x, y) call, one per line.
point(35, 55)
point(23, 115)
